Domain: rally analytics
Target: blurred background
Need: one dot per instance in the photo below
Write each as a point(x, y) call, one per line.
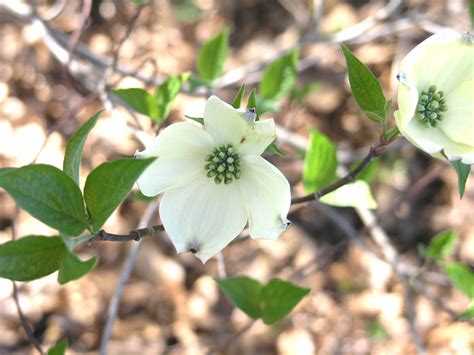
point(171, 304)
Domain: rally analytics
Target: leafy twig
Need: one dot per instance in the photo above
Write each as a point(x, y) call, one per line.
point(374, 152)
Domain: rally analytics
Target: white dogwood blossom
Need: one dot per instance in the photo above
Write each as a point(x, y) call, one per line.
point(214, 180)
point(436, 96)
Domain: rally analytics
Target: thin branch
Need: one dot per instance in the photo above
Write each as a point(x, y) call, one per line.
point(374, 152)
point(409, 298)
point(24, 322)
point(136, 234)
point(124, 276)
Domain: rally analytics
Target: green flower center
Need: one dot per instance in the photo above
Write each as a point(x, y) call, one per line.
point(223, 164)
point(431, 106)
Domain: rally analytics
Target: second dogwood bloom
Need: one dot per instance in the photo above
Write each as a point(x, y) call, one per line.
point(436, 96)
point(214, 180)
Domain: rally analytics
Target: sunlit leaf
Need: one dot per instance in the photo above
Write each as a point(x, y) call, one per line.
point(166, 93)
point(74, 147)
point(462, 278)
point(320, 162)
point(244, 292)
point(212, 56)
point(59, 348)
point(279, 76)
point(366, 88)
point(278, 298)
point(30, 257)
point(441, 246)
point(48, 194)
point(139, 101)
point(356, 194)
point(108, 185)
point(238, 98)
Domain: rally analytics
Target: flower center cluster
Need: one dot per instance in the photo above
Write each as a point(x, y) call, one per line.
point(430, 106)
point(223, 164)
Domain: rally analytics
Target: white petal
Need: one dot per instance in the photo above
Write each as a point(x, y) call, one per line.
point(203, 216)
point(442, 60)
point(223, 122)
point(181, 149)
point(458, 121)
point(432, 139)
point(258, 137)
point(267, 196)
point(407, 100)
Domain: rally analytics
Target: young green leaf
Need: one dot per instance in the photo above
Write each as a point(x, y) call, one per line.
point(166, 93)
point(139, 101)
point(279, 77)
point(73, 154)
point(441, 246)
point(196, 119)
point(244, 292)
point(462, 278)
point(252, 103)
point(59, 348)
point(356, 194)
point(278, 298)
point(274, 149)
point(300, 94)
point(49, 195)
point(30, 257)
point(320, 162)
point(73, 268)
point(238, 98)
point(366, 88)
point(212, 56)
point(462, 171)
point(108, 185)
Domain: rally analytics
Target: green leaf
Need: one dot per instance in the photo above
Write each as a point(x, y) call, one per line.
point(278, 298)
point(59, 348)
point(196, 119)
point(356, 194)
point(73, 268)
point(47, 194)
point(212, 56)
point(366, 88)
point(462, 278)
point(6, 170)
point(370, 171)
point(441, 246)
point(279, 77)
point(139, 101)
point(73, 154)
point(30, 257)
point(274, 149)
point(139, 196)
point(166, 93)
point(468, 313)
point(267, 105)
point(238, 98)
point(252, 103)
point(108, 185)
point(244, 292)
point(300, 94)
point(320, 162)
point(462, 171)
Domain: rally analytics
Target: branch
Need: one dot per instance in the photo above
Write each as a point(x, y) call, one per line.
point(126, 270)
point(135, 234)
point(374, 152)
point(24, 322)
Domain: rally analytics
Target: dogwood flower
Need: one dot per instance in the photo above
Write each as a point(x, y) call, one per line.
point(436, 96)
point(214, 180)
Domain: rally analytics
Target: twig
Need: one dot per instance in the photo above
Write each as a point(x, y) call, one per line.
point(124, 276)
point(409, 296)
point(24, 322)
point(221, 265)
point(136, 234)
point(374, 151)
